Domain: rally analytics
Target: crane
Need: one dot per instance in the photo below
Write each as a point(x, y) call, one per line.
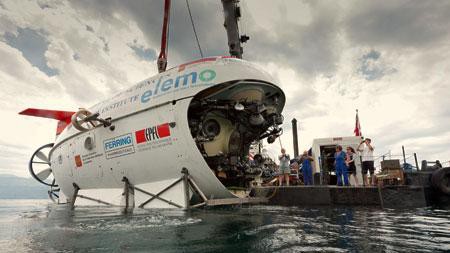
point(232, 13)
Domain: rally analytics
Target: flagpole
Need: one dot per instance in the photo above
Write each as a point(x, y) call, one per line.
point(357, 129)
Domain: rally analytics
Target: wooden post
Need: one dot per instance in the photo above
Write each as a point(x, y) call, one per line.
point(295, 137)
point(415, 159)
point(380, 196)
point(321, 170)
point(404, 156)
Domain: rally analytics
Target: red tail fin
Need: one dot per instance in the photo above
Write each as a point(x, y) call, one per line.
point(63, 117)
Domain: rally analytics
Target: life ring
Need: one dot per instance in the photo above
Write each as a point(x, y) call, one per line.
point(441, 180)
point(80, 121)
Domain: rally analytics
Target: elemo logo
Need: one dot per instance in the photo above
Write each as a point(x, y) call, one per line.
point(185, 80)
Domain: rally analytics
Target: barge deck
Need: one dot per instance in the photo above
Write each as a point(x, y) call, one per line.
point(400, 196)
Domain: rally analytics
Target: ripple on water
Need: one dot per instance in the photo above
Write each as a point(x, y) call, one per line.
point(249, 229)
point(115, 223)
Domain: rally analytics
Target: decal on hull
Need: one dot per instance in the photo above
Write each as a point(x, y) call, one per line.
point(119, 146)
point(153, 133)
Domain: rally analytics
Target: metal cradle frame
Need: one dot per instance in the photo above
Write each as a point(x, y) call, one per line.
point(188, 185)
point(187, 181)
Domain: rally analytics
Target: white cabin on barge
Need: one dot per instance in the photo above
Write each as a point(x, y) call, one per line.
point(323, 150)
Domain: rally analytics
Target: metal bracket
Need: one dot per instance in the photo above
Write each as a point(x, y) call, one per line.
point(154, 196)
point(185, 178)
point(94, 117)
point(95, 200)
point(198, 191)
point(74, 196)
point(187, 181)
point(128, 189)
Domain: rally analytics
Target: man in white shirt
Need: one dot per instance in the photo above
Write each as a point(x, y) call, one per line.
point(284, 169)
point(366, 152)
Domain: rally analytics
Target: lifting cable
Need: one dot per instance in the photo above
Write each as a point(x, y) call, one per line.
point(193, 28)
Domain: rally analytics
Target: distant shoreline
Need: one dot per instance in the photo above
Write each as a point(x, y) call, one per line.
point(14, 187)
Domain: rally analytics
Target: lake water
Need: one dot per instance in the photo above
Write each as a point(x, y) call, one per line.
point(39, 226)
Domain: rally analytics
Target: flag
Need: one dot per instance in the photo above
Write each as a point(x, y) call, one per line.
point(251, 155)
point(357, 130)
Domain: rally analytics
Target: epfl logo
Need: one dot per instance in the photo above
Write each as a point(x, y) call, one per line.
point(152, 133)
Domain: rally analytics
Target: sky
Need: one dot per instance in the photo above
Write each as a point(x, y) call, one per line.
point(389, 59)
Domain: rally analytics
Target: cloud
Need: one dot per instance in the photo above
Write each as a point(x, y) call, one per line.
point(310, 48)
point(207, 16)
point(147, 54)
point(105, 44)
point(20, 81)
point(33, 46)
point(89, 28)
point(372, 67)
point(399, 24)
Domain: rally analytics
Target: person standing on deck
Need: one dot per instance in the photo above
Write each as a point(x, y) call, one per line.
point(366, 151)
point(285, 169)
point(341, 169)
point(307, 168)
point(350, 162)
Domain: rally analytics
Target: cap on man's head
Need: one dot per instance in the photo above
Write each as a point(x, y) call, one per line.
point(368, 139)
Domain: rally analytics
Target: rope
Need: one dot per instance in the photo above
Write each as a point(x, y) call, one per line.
point(193, 28)
point(273, 193)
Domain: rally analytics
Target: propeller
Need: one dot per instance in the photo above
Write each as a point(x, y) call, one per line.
point(53, 193)
point(39, 166)
point(42, 156)
point(44, 174)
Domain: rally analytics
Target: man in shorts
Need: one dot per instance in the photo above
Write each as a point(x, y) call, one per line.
point(284, 169)
point(366, 152)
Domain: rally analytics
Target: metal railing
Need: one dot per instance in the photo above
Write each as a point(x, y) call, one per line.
point(407, 161)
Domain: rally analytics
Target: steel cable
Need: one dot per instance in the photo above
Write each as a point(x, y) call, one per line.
point(193, 28)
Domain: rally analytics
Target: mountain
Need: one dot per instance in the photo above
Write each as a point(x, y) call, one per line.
point(13, 187)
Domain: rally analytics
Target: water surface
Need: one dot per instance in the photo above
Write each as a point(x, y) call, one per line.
point(39, 226)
